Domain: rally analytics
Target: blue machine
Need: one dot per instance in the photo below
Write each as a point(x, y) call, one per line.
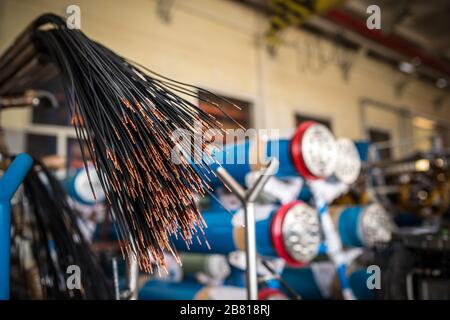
point(164, 290)
point(237, 278)
point(9, 183)
point(290, 232)
point(187, 290)
point(310, 153)
point(363, 150)
point(310, 284)
point(362, 226)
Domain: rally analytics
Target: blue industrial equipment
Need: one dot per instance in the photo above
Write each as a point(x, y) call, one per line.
point(9, 183)
point(310, 153)
point(290, 232)
point(187, 290)
point(362, 226)
point(311, 284)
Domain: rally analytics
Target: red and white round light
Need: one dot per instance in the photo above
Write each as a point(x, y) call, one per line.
point(314, 151)
point(296, 233)
point(348, 164)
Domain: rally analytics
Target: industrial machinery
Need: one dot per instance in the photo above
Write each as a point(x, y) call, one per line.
point(310, 153)
point(290, 231)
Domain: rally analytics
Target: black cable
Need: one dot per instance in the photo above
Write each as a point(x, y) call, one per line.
point(57, 240)
point(124, 117)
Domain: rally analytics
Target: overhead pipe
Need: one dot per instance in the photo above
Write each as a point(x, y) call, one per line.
point(389, 41)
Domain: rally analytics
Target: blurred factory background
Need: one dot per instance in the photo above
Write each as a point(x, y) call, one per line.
point(286, 63)
point(332, 68)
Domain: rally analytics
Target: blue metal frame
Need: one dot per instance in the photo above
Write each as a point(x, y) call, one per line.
point(9, 182)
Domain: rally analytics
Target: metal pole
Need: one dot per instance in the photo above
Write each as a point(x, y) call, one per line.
point(250, 250)
point(248, 198)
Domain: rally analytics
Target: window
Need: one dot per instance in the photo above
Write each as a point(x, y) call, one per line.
point(299, 118)
point(243, 116)
point(49, 131)
point(59, 116)
point(39, 145)
point(379, 136)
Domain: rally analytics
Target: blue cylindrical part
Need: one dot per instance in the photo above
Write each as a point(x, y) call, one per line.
point(303, 282)
point(164, 290)
point(358, 283)
point(363, 150)
point(9, 182)
point(280, 149)
point(236, 160)
point(348, 227)
point(220, 236)
point(305, 194)
point(264, 237)
point(236, 277)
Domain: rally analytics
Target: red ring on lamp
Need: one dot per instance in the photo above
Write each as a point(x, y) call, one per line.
point(277, 234)
point(296, 151)
point(266, 293)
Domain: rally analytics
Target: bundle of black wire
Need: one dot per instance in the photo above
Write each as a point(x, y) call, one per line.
point(58, 243)
point(125, 116)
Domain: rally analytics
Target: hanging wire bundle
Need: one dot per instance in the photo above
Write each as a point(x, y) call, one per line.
point(125, 115)
point(50, 226)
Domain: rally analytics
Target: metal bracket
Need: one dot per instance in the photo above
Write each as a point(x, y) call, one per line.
point(248, 197)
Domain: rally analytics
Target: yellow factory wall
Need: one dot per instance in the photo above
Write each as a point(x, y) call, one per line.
point(217, 44)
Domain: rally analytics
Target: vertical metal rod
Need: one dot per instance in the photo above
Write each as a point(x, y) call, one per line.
point(250, 246)
point(132, 278)
point(115, 278)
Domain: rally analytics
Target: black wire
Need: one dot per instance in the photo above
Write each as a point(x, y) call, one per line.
point(58, 241)
point(124, 117)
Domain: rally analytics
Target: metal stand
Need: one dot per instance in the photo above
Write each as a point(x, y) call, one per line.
point(248, 198)
point(130, 291)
